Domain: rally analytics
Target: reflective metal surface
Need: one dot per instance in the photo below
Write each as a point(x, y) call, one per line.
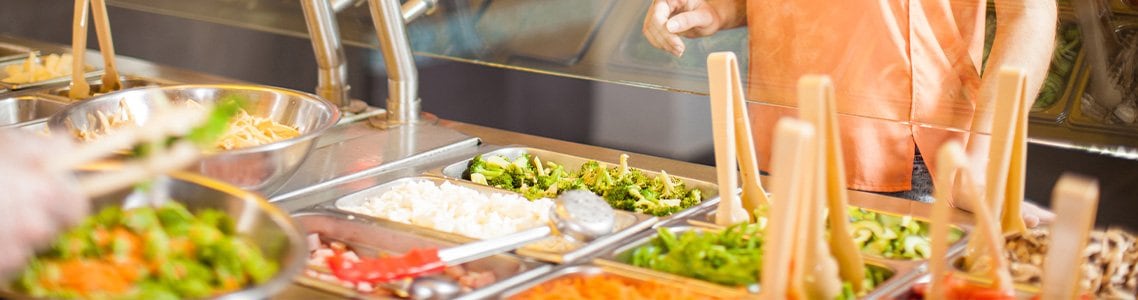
point(18, 111)
point(126, 82)
point(402, 76)
point(261, 168)
point(264, 225)
point(332, 67)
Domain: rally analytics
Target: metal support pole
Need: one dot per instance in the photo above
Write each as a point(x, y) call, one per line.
point(333, 69)
point(402, 76)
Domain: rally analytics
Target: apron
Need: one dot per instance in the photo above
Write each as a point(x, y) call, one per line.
point(904, 72)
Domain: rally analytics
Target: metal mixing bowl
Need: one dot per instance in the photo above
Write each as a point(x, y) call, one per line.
point(261, 168)
point(266, 226)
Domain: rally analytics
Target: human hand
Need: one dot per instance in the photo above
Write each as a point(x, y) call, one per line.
point(668, 20)
point(37, 203)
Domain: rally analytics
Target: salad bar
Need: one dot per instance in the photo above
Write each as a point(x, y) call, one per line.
point(288, 195)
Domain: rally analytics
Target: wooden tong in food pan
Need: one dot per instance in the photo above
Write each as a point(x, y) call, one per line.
point(952, 159)
point(733, 142)
point(110, 82)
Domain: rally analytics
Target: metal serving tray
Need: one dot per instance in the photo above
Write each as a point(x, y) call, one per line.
point(128, 82)
point(91, 71)
point(14, 52)
point(691, 285)
point(710, 191)
point(24, 110)
point(368, 239)
point(901, 275)
point(627, 223)
point(707, 219)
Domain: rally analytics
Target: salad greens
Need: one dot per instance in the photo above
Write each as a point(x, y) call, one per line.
point(730, 257)
point(622, 187)
point(147, 253)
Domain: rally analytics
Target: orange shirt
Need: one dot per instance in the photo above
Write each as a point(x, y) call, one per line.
point(898, 66)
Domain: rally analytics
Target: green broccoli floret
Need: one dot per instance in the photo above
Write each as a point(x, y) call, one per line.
point(480, 166)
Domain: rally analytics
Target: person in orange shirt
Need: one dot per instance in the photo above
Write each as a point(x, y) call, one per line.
point(906, 72)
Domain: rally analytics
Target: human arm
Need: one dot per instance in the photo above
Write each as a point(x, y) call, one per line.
point(668, 20)
point(1025, 36)
point(37, 203)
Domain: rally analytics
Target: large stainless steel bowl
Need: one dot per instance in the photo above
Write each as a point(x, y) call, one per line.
point(266, 226)
point(262, 168)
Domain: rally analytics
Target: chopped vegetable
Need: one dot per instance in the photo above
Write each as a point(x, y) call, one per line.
point(730, 257)
point(894, 237)
point(147, 253)
point(622, 187)
point(606, 286)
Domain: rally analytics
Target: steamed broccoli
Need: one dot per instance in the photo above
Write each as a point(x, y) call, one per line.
point(622, 187)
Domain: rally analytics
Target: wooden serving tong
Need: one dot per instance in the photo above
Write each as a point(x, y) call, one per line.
point(952, 159)
point(1075, 199)
point(79, 88)
point(817, 105)
point(733, 142)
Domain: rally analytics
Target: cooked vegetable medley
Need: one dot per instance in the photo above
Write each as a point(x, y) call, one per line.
point(730, 257)
point(606, 286)
point(147, 253)
point(622, 187)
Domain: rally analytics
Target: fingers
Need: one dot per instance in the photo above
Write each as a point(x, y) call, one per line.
point(654, 29)
point(692, 24)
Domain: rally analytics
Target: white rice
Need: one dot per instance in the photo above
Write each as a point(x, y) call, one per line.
point(456, 209)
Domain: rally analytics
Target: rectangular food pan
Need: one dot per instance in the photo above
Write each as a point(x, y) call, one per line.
point(20, 111)
point(709, 191)
point(91, 72)
point(128, 82)
point(14, 52)
point(898, 275)
point(369, 240)
point(553, 250)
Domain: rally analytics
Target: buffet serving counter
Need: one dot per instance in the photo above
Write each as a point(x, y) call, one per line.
point(356, 157)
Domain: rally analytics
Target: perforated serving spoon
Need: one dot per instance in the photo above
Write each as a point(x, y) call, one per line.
point(578, 214)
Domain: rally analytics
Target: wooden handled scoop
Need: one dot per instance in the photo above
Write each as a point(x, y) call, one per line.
point(79, 87)
point(792, 138)
point(817, 106)
point(951, 158)
point(106, 46)
point(1075, 199)
point(733, 141)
